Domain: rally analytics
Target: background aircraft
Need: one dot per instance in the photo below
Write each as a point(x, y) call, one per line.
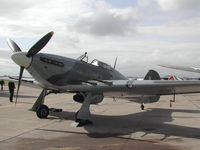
point(90, 82)
point(173, 77)
point(184, 68)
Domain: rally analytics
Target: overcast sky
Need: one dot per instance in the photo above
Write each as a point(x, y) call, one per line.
point(142, 33)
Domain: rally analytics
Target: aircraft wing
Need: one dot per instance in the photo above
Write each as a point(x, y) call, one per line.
point(28, 83)
point(126, 88)
point(184, 68)
point(139, 88)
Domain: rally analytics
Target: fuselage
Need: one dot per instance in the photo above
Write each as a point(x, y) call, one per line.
point(64, 74)
point(54, 71)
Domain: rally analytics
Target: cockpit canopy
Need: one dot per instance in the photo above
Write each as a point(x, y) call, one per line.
point(83, 57)
point(95, 62)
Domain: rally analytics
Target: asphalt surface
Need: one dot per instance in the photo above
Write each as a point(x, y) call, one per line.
point(118, 125)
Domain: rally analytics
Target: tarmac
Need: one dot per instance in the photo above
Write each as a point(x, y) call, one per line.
point(117, 124)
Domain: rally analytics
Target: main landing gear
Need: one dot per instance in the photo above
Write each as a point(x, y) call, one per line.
point(81, 122)
point(83, 115)
point(42, 111)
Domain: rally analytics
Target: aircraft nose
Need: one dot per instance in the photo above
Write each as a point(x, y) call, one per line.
point(21, 59)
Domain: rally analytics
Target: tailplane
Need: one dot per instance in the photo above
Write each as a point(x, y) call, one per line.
point(152, 75)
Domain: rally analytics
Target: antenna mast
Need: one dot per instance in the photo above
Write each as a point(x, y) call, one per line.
point(115, 62)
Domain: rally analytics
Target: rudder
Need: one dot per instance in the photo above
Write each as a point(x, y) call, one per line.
point(152, 75)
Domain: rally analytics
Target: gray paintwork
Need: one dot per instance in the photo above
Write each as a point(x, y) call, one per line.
point(74, 72)
point(90, 81)
point(77, 76)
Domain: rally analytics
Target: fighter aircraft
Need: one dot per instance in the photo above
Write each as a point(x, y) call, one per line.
point(89, 81)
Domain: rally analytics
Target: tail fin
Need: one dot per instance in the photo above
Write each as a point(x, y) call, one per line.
point(152, 75)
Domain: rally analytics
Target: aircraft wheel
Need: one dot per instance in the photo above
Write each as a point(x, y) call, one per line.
point(42, 111)
point(142, 107)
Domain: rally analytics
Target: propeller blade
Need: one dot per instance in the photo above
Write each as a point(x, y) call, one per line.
point(39, 45)
point(14, 47)
point(19, 82)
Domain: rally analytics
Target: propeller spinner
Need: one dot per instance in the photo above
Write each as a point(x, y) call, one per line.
point(24, 59)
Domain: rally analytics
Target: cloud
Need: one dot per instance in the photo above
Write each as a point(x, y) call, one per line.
point(168, 5)
point(181, 30)
point(107, 22)
point(5, 53)
point(145, 3)
point(141, 35)
point(14, 8)
point(28, 18)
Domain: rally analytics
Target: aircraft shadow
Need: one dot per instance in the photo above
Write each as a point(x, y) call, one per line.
point(153, 120)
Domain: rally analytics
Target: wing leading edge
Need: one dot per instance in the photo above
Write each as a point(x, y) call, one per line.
point(134, 87)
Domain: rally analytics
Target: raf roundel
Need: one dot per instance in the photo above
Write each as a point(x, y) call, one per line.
point(130, 84)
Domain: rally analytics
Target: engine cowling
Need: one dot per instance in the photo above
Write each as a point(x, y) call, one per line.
point(96, 98)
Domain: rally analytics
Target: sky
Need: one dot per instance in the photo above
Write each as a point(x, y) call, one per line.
point(141, 33)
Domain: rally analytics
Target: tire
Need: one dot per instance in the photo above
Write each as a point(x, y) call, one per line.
point(42, 111)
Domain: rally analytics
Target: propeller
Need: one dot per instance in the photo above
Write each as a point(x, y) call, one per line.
point(24, 59)
point(13, 46)
point(39, 45)
point(19, 82)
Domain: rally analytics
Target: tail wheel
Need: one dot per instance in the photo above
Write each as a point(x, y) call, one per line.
point(42, 111)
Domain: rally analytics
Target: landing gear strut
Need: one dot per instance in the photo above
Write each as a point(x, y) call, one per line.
point(42, 110)
point(81, 122)
point(39, 101)
point(83, 115)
